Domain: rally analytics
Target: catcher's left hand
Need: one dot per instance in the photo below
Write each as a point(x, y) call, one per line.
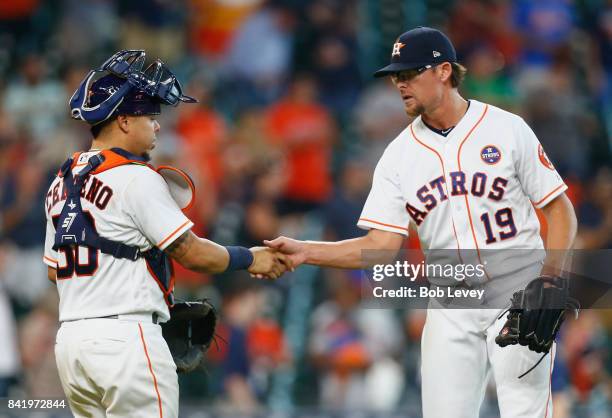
point(189, 333)
point(536, 314)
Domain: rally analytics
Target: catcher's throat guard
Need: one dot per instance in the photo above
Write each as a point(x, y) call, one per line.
point(76, 228)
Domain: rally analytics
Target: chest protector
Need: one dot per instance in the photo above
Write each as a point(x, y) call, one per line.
point(75, 228)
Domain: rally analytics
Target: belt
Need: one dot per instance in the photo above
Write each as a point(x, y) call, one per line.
point(143, 317)
point(153, 317)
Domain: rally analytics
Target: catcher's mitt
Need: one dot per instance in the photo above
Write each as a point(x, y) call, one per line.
point(189, 333)
point(536, 314)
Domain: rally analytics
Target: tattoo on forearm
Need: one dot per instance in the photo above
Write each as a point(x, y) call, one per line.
point(180, 246)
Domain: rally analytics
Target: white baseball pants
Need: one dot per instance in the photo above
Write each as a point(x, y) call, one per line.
point(117, 368)
point(458, 355)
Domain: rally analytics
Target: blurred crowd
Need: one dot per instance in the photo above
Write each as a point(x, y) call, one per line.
point(284, 140)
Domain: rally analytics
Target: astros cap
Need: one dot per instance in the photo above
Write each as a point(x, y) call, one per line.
point(419, 47)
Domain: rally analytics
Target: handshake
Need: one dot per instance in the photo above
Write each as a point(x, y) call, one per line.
point(277, 257)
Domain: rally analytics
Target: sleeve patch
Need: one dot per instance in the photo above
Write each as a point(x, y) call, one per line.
point(544, 158)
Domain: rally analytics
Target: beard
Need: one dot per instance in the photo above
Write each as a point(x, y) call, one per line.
point(415, 111)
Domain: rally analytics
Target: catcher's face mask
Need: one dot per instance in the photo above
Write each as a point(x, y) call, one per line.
point(123, 81)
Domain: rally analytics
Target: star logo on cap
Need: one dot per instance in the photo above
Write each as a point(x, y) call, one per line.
point(396, 48)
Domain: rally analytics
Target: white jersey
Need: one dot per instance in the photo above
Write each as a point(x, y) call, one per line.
point(474, 189)
point(130, 204)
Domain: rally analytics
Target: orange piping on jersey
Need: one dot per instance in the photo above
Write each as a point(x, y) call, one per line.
point(50, 259)
point(383, 224)
point(144, 345)
point(171, 234)
point(549, 383)
point(445, 185)
point(467, 203)
point(456, 239)
point(548, 195)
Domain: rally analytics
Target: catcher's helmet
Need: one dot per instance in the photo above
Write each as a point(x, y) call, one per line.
point(125, 88)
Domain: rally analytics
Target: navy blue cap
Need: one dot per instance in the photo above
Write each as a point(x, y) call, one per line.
point(419, 47)
point(135, 102)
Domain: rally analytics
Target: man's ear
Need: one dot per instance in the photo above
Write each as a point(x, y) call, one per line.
point(123, 122)
point(445, 71)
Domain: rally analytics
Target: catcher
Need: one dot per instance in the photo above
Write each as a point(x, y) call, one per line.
point(113, 223)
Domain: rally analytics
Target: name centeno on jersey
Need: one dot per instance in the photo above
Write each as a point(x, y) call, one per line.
point(94, 191)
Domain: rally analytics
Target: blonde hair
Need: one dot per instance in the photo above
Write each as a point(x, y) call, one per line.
point(458, 74)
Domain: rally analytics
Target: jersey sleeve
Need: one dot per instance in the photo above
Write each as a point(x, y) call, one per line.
point(385, 208)
point(148, 202)
point(50, 255)
point(538, 176)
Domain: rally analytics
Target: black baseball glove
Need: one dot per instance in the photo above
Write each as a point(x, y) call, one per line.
point(189, 333)
point(536, 314)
